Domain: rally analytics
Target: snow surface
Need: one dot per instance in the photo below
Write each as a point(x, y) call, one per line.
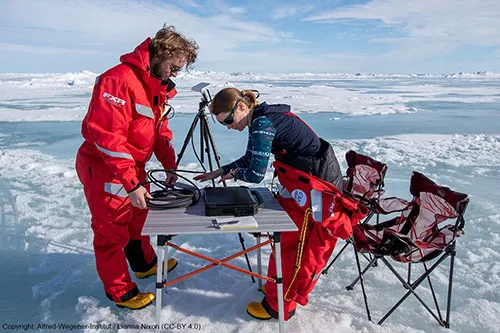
point(444, 126)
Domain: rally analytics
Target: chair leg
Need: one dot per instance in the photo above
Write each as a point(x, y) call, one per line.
point(361, 279)
point(408, 280)
point(452, 253)
point(325, 271)
point(349, 240)
point(411, 289)
point(438, 310)
point(370, 264)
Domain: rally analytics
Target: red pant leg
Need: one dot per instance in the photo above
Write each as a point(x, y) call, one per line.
point(111, 216)
point(288, 256)
point(318, 248)
point(140, 254)
point(318, 245)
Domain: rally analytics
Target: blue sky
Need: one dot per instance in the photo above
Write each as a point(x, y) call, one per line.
point(378, 36)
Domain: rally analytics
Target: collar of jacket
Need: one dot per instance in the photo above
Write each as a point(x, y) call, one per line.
point(139, 60)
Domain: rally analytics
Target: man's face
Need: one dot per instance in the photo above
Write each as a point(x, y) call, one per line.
point(164, 69)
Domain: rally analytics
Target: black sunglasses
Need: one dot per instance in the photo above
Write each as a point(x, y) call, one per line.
point(230, 118)
point(175, 69)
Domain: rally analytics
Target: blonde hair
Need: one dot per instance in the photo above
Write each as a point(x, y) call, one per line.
point(168, 43)
point(225, 100)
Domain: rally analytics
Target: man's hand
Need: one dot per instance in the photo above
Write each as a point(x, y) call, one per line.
point(208, 175)
point(138, 197)
point(171, 179)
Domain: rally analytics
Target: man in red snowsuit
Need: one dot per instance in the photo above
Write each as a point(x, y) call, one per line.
point(124, 125)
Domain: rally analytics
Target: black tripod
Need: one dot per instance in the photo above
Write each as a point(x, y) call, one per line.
point(207, 146)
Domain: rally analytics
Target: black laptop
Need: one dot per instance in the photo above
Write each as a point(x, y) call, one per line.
point(235, 201)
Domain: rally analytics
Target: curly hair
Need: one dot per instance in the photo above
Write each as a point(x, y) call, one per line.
point(169, 43)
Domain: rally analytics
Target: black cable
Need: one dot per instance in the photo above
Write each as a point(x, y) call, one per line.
point(170, 110)
point(196, 155)
point(172, 196)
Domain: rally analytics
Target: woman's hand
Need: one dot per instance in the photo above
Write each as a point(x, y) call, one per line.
point(230, 175)
point(208, 175)
point(138, 197)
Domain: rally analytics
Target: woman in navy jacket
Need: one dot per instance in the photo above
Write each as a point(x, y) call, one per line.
point(273, 129)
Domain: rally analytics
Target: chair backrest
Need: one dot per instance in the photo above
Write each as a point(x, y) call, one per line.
point(365, 176)
point(431, 206)
point(418, 233)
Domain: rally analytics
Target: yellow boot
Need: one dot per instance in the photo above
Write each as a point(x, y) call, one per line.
point(171, 264)
point(263, 289)
point(256, 310)
point(139, 301)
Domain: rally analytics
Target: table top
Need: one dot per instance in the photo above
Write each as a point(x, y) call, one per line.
point(192, 220)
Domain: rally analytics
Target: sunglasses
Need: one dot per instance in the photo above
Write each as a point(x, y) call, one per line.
point(230, 118)
point(175, 69)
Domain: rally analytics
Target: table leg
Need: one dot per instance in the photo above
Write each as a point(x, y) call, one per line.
point(279, 281)
point(160, 252)
point(259, 261)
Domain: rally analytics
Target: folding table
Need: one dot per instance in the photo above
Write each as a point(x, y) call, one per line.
point(163, 224)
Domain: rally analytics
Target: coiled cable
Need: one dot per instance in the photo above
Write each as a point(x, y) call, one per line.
point(172, 196)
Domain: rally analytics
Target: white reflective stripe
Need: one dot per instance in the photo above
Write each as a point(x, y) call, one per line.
point(114, 153)
point(115, 189)
point(285, 194)
point(144, 110)
point(317, 205)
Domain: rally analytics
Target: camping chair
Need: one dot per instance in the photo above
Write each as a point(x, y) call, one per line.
point(416, 236)
point(364, 183)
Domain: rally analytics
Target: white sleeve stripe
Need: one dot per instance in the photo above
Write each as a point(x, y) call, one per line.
point(264, 132)
point(144, 110)
point(257, 174)
point(114, 153)
point(115, 189)
point(317, 205)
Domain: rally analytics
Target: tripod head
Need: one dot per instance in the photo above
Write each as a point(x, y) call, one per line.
point(205, 93)
point(207, 143)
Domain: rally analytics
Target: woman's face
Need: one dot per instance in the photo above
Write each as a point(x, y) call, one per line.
point(239, 116)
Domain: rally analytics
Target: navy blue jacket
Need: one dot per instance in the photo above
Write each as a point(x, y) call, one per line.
point(274, 129)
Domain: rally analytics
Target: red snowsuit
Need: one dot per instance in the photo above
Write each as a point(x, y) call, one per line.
point(321, 214)
point(124, 125)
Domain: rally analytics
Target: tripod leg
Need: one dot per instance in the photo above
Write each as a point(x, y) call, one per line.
point(202, 144)
point(189, 136)
point(210, 143)
point(242, 242)
point(205, 141)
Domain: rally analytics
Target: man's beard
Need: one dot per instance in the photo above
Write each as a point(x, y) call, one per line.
point(154, 70)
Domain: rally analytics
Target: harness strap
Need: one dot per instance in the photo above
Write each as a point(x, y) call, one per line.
point(300, 250)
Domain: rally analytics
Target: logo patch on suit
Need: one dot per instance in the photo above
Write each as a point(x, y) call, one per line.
point(300, 197)
point(112, 99)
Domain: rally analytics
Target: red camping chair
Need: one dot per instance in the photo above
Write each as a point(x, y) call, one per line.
point(416, 236)
point(364, 183)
